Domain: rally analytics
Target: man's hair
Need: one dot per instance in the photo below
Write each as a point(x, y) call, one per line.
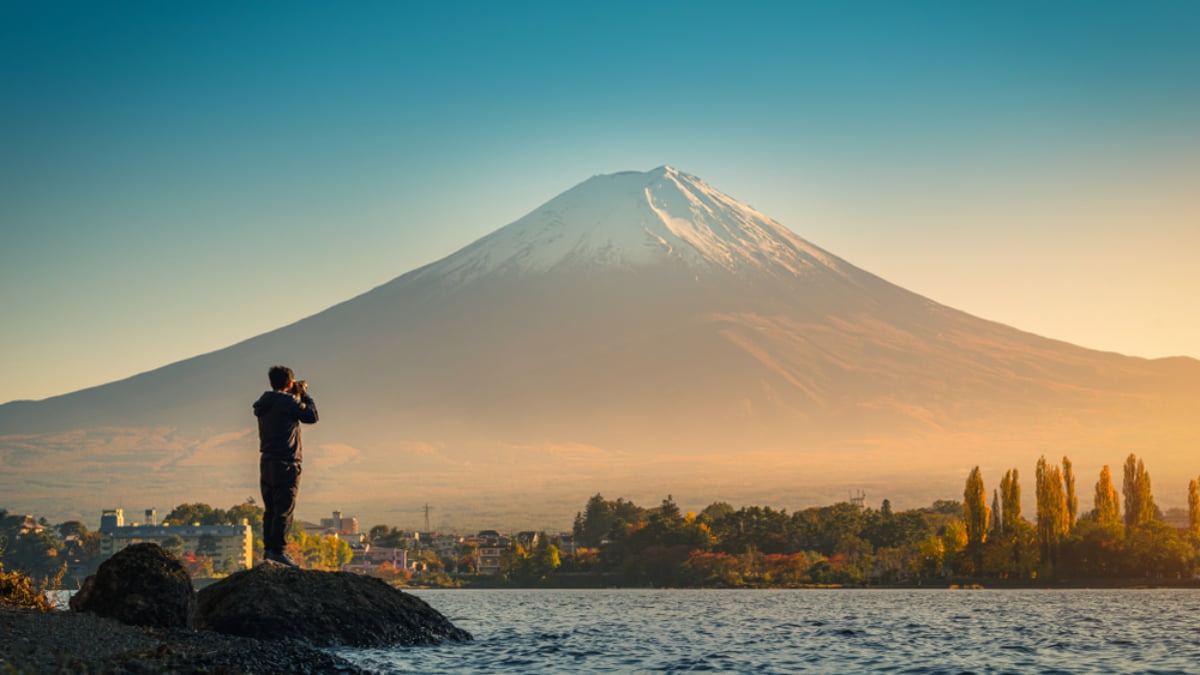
point(280, 377)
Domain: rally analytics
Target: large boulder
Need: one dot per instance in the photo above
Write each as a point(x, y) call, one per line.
point(324, 609)
point(141, 585)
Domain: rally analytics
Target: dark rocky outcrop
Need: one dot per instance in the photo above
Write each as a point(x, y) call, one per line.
point(141, 585)
point(273, 602)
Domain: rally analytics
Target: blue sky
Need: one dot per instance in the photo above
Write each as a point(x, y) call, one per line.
point(176, 177)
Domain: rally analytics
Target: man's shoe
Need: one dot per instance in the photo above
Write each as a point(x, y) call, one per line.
point(280, 559)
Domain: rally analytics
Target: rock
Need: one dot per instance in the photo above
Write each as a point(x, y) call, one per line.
point(141, 585)
point(324, 609)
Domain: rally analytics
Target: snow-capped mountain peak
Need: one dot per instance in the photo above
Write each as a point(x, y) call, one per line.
point(634, 219)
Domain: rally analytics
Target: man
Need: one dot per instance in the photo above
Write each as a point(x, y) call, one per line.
point(280, 412)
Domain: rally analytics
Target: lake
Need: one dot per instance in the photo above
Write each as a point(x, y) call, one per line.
point(809, 631)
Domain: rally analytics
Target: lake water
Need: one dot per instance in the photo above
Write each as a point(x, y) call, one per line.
point(808, 631)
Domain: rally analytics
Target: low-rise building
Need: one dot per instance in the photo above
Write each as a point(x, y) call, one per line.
point(446, 546)
point(219, 542)
point(490, 546)
point(339, 524)
point(369, 558)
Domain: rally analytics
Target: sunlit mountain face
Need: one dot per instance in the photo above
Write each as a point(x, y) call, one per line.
point(639, 335)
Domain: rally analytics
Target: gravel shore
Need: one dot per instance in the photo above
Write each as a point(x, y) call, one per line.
point(72, 642)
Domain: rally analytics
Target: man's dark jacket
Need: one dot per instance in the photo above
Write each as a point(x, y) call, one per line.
point(279, 417)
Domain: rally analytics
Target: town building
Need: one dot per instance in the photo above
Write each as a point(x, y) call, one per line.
point(446, 546)
point(219, 542)
point(339, 524)
point(369, 558)
point(490, 546)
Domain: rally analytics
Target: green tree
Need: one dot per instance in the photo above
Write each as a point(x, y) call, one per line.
point(387, 537)
point(173, 545)
point(976, 522)
point(1154, 550)
point(715, 512)
point(206, 545)
point(187, 514)
point(73, 528)
point(602, 518)
point(975, 506)
point(35, 553)
point(931, 557)
point(545, 558)
point(248, 511)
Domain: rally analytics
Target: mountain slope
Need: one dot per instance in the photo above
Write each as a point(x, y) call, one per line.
point(639, 334)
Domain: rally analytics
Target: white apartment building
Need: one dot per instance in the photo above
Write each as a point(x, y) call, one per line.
point(220, 542)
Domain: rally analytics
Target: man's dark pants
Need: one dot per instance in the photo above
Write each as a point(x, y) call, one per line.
point(280, 482)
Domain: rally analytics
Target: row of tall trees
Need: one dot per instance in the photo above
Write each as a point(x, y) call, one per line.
point(1122, 536)
point(1062, 542)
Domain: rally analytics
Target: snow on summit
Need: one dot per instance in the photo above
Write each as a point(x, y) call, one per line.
point(632, 219)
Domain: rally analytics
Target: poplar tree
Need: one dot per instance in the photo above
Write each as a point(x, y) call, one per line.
point(1194, 506)
point(1072, 500)
point(1051, 510)
point(997, 520)
point(1139, 502)
point(1107, 511)
point(1010, 501)
point(976, 508)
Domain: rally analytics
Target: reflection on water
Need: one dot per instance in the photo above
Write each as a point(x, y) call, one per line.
point(819, 631)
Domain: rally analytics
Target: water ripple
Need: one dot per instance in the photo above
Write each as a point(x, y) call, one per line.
point(808, 631)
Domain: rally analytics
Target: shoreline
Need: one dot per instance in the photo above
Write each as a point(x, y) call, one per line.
point(954, 583)
point(66, 641)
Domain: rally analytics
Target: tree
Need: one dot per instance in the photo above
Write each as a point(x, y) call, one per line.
point(976, 509)
point(1010, 500)
point(387, 537)
point(249, 511)
point(1072, 500)
point(377, 532)
point(1051, 511)
point(997, 526)
point(1194, 506)
point(186, 514)
point(206, 545)
point(601, 518)
point(73, 528)
point(173, 545)
point(1139, 503)
point(1106, 509)
point(34, 552)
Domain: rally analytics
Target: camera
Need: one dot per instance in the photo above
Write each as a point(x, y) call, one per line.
point(298, 388)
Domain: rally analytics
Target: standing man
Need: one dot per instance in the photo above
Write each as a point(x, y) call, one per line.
point(280, 412)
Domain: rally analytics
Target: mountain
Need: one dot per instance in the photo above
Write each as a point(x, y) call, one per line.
point(638, 335)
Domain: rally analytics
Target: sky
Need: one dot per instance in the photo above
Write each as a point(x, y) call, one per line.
point(176, 177)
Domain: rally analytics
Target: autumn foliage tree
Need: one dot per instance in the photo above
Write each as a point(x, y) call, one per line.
point(1052, 524)
point(1072, 500)
point(976, 513)
point(1106, 507)
point(1139, 502)
point(1010, 500)
point(1194, 506)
